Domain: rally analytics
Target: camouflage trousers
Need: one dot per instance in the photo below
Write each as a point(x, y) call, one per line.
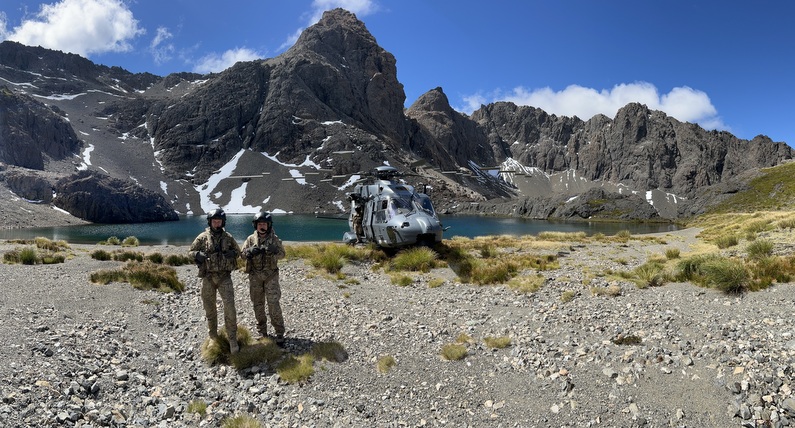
point(212, 285)
point(264, 289)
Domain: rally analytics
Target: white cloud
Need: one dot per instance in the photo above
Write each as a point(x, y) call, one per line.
point(82, 27)
point(682, 103)
point(214, 62)
point(161, 51)
point(360, 8)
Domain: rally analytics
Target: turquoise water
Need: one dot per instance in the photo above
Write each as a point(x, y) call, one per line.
point(311, 228)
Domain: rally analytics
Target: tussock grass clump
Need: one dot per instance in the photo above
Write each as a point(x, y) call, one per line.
point(214, 352)
point(197, 406)
point(727, 275)
point(464, 338)
point(329, 351)
point(726, 241)
point(125, 256)
point(143, 276)
point(612, 290)
point(649, 274)
point(155, 258)
point(563, 236)
point(436, 282)
point(178, 260)
point(454, 352)
point(130, 241)
point(401, 280)
point(150, 276)
point(106, 276)
point(296, 369)
point(567, 296)
point(112, 240)
point(241, 421)
point(385, 363)
point(264, 351)
point(416, 259)
point(31, 255)
point(101, 255)
point(672, 253)
point(497, 342)
point(759, 249)
point(526, 283)
point(629, 339)
point(50, 245)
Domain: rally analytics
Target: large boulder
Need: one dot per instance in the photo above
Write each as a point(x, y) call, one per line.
point(101, 199)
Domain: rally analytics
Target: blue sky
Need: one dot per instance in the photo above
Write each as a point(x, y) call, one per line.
point(722, 64)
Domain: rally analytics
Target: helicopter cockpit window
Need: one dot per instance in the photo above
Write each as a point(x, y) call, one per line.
point(424, 202)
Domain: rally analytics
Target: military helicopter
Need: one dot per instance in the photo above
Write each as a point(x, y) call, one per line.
point(391, 214)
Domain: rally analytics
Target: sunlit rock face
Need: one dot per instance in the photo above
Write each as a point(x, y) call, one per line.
point(269, 135)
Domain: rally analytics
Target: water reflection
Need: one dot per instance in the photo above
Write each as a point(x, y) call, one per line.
point(310, 228)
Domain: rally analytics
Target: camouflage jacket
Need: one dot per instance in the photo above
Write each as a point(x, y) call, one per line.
point(220, 248)
point(270, 251)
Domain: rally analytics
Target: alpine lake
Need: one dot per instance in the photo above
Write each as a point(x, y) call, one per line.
point(308, 228)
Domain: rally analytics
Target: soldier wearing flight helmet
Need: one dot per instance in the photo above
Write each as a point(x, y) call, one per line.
point(215, 252)
point(263, 249)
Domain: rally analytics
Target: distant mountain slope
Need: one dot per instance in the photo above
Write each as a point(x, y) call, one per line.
point(288, 118)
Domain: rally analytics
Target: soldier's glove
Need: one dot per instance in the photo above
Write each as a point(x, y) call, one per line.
point(200, 257)
point(253, 251)
point(230, 254)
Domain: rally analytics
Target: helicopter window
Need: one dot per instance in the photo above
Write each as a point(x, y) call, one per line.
point(424, 202)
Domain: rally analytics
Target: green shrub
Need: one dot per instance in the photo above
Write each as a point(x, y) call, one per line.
point(567, 296)
point(113, 240)
point(623, 235)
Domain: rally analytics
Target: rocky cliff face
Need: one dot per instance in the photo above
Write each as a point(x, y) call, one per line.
point(31, 133)
point(287, 120)
point(101, 199)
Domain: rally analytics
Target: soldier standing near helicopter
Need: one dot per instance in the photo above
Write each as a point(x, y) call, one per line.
point(215, 252)
point(263, 249)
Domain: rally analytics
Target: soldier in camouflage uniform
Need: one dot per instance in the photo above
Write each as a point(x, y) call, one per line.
point(263, 249)
point(215, 252)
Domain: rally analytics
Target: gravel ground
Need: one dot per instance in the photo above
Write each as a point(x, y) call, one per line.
point(79, 354)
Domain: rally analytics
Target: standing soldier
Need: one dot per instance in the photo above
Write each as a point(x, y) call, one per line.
point(215, 252)
point(263, 249)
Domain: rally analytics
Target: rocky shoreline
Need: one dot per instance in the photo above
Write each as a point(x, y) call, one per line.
point(80, 354)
